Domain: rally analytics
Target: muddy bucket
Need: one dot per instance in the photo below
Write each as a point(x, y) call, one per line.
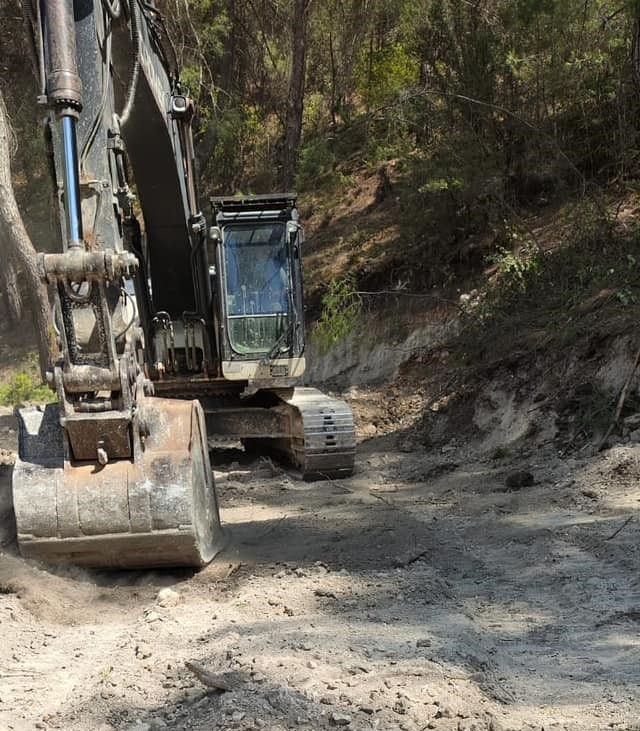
point(158, 509)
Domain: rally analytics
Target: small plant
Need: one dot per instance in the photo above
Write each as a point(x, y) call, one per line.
point(341, 309)
point(515, 266)
point(23, 389)
point(106, 675)
point(626, 296)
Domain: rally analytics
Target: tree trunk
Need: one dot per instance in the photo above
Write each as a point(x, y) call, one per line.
point(295, 103)
point(21, 250)
point(635, 49)
point(10, 291)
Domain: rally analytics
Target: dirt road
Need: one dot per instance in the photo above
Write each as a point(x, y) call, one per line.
point(421, 593)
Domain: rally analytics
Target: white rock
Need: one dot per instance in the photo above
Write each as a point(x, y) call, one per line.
point(168, 597)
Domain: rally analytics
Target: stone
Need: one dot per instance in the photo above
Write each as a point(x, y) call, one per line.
point(471, 725)
point(444, 712)
point(279, 700)
point(632, 422)
point(519, 479)
point(340, 719)
point(142, 652)
point(400, 707)
point(168, 597)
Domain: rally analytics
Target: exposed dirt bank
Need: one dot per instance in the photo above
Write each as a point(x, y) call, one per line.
point(480, 585)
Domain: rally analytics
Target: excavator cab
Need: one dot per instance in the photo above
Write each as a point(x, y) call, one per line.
point(257, 242)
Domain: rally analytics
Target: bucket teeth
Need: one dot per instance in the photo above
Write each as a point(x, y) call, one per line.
point(158, 509)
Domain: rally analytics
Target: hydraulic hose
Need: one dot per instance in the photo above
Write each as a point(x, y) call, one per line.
point(135, 71)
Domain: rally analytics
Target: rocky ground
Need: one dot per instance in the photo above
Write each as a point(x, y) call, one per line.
point(453, 588)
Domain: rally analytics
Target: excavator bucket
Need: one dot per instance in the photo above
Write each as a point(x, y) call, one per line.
point(158, 509)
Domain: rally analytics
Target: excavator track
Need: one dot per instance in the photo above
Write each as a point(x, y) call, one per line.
point(323, 439)
point(158, 509)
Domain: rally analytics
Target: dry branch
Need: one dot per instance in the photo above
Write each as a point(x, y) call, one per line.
point(621, 400)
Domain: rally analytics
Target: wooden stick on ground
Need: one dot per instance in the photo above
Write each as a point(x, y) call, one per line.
point(620, 529)
point(621, 400)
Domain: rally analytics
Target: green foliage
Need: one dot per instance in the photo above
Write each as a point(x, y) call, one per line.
point(341, 310)
point(23, 389)
point(317, 166)
point(385, 74)
point(487, 109)
point(586, 287)
point(516, 267)
point(241, 153)
point(512, 90)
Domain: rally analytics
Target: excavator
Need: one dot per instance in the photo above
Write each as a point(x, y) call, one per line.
point(175, 327)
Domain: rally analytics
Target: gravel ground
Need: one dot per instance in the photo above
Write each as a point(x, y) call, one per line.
point(432, 590)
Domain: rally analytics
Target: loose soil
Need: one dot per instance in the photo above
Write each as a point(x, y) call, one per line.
point(431, 590)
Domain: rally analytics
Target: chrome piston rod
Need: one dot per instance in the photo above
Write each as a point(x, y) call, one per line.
point(64, 93)
point(73, 203)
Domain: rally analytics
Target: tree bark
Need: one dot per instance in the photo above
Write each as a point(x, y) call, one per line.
point(10, 290)
point(295, 102)
point(21, 250)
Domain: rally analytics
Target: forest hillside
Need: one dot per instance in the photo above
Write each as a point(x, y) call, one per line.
point(441, 148)
point(468, 175)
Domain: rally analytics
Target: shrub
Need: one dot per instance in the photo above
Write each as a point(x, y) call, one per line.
point(24, 389)
point(341, 309)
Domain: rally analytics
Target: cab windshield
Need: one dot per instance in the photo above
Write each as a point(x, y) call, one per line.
point(257, 281)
